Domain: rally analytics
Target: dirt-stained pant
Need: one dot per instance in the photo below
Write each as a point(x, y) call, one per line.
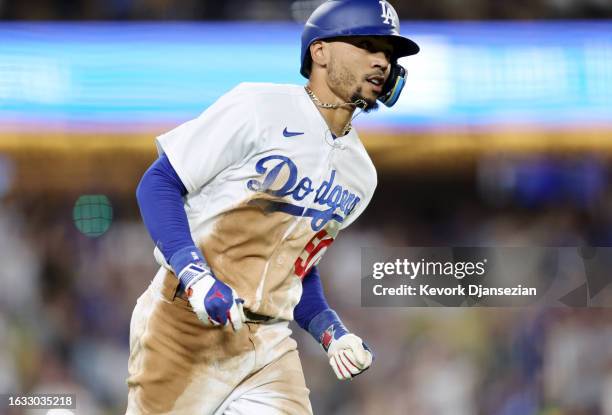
point(179, 366)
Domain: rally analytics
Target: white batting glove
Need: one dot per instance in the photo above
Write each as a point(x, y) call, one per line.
point(213, 301)
point(349, 356)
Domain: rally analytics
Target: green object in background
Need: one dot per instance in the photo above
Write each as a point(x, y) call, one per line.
point(92, 214)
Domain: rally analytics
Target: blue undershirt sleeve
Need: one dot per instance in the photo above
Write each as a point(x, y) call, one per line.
point(313, 300)
point(160, 198)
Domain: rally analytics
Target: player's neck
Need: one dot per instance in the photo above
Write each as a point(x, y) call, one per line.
point(337, 119)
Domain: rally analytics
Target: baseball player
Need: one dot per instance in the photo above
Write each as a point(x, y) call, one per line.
point(242, 203)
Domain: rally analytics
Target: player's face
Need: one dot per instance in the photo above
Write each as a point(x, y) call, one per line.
point(359, 67)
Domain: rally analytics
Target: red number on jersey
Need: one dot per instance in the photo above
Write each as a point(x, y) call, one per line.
point(312, 253)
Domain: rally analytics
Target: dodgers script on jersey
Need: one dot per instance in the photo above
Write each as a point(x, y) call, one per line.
point(269, 189)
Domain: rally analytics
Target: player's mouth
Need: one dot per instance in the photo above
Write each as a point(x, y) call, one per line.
point(376, 82)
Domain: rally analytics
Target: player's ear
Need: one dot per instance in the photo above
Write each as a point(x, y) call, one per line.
point(319, 53)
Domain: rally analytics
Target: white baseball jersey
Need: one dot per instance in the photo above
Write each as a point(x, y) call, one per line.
point(269, 188)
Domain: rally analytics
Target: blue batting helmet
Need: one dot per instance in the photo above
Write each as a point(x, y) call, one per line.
point(336, 18)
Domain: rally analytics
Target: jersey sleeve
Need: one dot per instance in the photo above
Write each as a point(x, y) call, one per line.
point(371, 182)
point(223, 135)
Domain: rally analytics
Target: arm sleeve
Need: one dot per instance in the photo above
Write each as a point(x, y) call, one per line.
point(313, 300)
point(160, 198)
point(313, 314)
point(223, 136)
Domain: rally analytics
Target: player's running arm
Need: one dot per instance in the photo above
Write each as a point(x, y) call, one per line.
point(160, 198)
point(348, 354)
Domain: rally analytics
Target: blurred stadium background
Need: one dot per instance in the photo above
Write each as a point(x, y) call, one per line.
point(503, 136)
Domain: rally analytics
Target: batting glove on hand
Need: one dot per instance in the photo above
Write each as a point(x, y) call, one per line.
point(214, 302)
point(348, 354)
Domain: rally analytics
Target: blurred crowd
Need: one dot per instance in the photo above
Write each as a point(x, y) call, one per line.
point(294, 9)
point(67, 299)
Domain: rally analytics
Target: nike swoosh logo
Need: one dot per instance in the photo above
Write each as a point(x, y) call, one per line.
point(290, 133)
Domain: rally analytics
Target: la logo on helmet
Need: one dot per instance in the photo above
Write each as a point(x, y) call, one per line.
point(387, 13)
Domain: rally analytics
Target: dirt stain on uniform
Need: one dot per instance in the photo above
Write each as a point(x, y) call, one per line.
point(175, 347)
point(249, 243)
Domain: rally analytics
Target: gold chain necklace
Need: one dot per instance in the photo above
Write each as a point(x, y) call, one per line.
point(318, 103)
